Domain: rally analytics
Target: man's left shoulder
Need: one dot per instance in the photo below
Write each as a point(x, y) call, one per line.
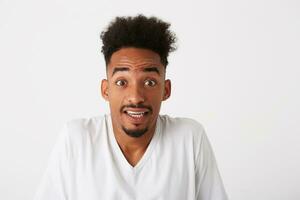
point(182, 126)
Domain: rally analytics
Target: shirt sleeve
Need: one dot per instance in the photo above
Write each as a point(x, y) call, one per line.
point(209, 185)
point(54, 184)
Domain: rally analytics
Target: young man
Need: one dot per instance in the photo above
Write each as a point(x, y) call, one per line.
point(133, 153)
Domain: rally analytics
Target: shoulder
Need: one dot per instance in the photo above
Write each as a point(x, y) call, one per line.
point(84, 124)
point(182, 127)
point(79, 130)
point(180, 123)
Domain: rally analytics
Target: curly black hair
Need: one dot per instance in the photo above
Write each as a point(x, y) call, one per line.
point(140, 32)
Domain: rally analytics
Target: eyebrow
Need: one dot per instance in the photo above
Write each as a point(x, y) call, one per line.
point(119, 69)
point(147, 69)
point(151, 69)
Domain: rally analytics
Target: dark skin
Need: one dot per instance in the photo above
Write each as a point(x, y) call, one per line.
point(135, 88)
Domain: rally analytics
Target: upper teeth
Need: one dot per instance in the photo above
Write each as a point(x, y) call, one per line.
point(135, 113)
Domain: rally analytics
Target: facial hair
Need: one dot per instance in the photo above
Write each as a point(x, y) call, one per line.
point(139, 132)
point(135, 133)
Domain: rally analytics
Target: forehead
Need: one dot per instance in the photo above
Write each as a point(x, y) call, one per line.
point(134, 59)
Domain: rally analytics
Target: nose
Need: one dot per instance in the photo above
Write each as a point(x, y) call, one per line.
point(135, 95)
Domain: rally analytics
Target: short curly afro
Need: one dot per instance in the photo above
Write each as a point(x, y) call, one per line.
point(140, 32)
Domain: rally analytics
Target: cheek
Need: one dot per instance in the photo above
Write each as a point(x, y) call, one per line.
point(155, 98)
point(156, 95)
point(114, 93)
point(115, 99)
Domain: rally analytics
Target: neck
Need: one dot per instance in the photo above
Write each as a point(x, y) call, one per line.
point(133, 148)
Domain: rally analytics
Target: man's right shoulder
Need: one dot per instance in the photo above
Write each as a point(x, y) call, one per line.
point(80, 129)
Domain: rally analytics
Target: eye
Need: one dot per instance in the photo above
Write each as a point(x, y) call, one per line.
point(150, 83)
point(120, 82)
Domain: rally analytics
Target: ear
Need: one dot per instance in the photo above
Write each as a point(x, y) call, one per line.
point(167, 90)
point(104, 89)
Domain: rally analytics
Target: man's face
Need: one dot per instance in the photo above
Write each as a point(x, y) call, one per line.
point(135, 88)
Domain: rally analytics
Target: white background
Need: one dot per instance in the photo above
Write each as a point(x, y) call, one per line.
point(236, 71)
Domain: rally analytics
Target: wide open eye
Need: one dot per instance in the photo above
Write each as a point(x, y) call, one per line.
point(120, 82)
point(150, 83)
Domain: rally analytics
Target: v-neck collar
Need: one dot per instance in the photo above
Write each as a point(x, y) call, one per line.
point(120, 158)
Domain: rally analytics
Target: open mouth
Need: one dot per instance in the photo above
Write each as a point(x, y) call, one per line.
point(136, 114)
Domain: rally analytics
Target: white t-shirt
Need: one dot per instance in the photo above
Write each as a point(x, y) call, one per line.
point(87, 164)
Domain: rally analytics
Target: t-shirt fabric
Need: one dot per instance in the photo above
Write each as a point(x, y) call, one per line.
point(86, 163)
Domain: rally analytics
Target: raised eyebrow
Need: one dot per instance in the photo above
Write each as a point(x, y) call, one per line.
point(119, 69)
point(146, 69)
point(151, 69)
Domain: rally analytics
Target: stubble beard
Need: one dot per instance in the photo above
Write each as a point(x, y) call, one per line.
point(135, 133)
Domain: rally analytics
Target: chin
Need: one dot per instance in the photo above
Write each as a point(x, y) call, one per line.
point(135, 132)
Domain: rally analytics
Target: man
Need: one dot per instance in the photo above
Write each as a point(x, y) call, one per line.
point(133, 153)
